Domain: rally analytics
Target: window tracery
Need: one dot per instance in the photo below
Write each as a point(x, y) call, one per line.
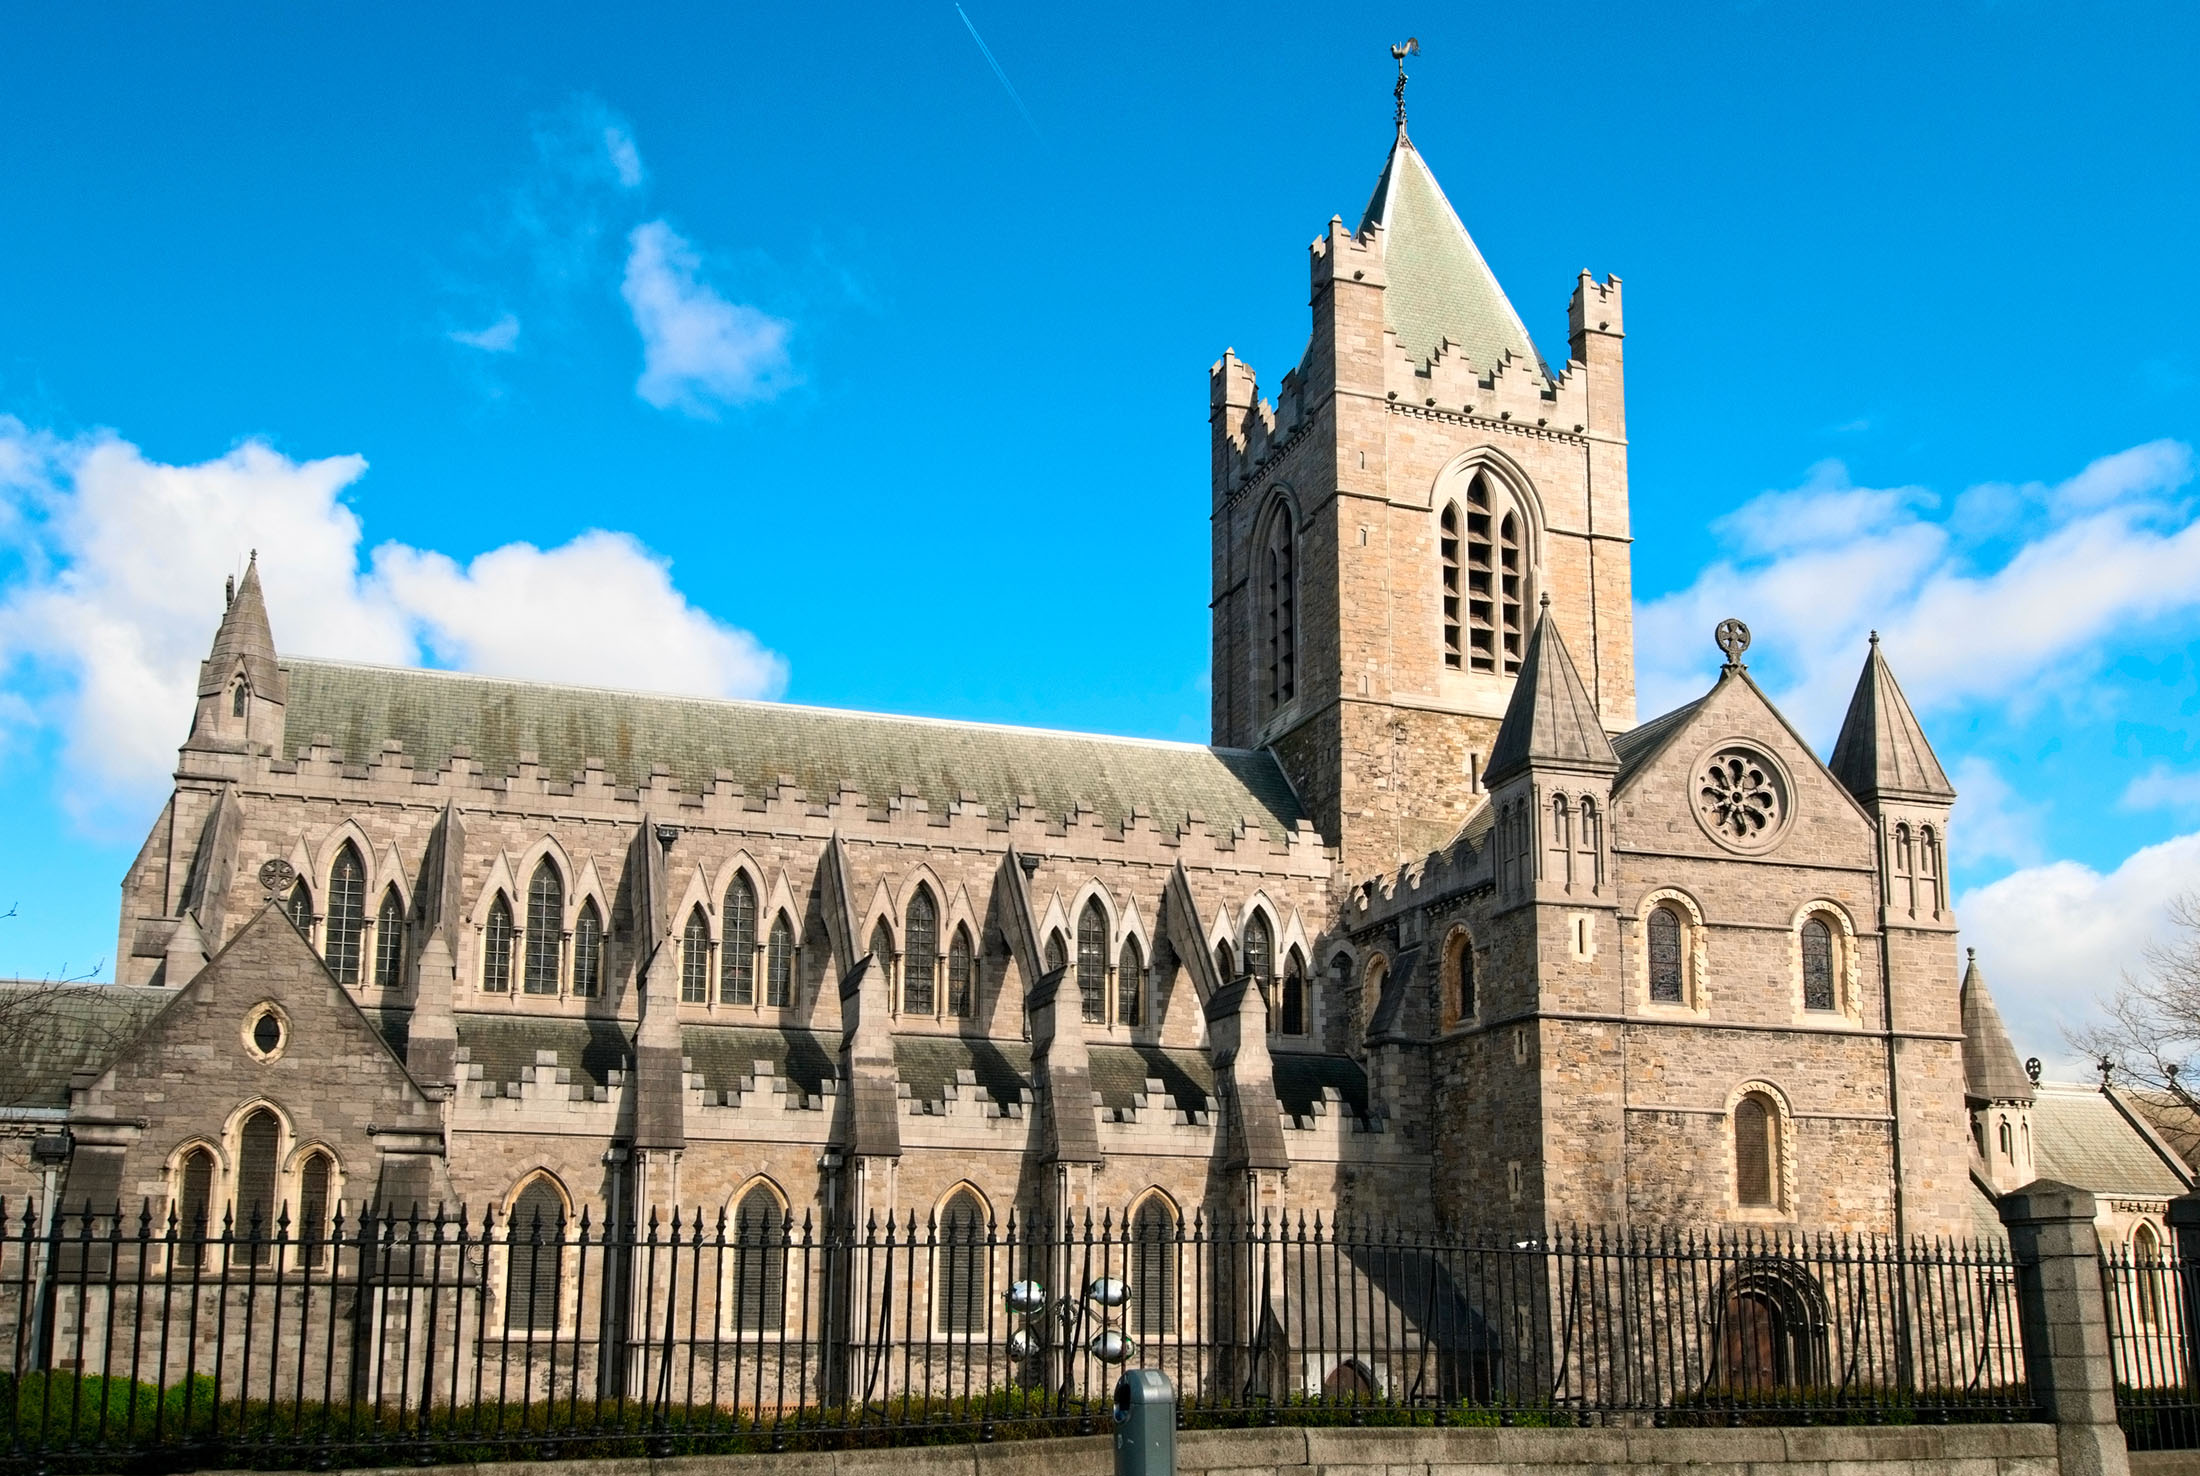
point(920, 953)
point(588, 951)
point(545, 930)
point(737, 961)
point(496, 948)
point(779, 963)
point(389, 941)
point(1092, 962)
point(347, 914)
point(695, 958)
point(1818, 965)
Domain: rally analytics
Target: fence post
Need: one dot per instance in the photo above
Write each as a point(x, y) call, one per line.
point(2064, 1315)
point(2184, 1223)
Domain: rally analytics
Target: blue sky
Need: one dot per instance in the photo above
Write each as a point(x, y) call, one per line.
point(794, 341)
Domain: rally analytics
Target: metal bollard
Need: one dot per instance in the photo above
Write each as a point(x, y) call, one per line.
point(1145, 1424)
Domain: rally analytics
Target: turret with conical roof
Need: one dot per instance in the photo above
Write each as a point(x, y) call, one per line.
point(242, 690)
point(1882, 751)
point(1551, 721)
point(1996, 1088)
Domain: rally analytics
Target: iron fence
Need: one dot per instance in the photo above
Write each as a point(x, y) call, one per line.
point(385, 1338)
point(2153, 1301)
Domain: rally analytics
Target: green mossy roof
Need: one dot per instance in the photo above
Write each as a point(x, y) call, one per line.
point(49, 1032)
point(435, 715)
point(1440, 290)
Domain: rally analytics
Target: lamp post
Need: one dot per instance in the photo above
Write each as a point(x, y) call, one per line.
point(50, 1151)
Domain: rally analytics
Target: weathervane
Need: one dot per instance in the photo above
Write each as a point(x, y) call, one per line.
point(1398, 54)
point(1733, 639)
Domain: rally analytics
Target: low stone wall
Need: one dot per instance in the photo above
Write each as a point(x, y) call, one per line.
point(1926, 1450)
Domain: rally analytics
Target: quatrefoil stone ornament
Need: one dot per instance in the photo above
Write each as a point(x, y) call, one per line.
point(1733, 639)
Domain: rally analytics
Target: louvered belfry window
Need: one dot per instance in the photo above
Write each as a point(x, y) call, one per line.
point(1666, 978)
point(1448, 550)
point(737, 961)
point(347, 915)
point(1818, 992)
point(920, 953)
point(1756, 1153)
point(1282, 598)
point(545, 930)
point(760, 1262)
point(1092, 961)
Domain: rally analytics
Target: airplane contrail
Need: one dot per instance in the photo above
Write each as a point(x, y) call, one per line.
point(1013, 95)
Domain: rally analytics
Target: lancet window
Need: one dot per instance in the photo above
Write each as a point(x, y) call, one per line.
point(920, 953)
point(588, 951)
point(347, 914)
point(695, 958)
point(1280, 587)
point(779, 963)
point(1484, 567)
point(961, 976)
point(737, 960)
point(1092, 962)
point(1130, 985)
point(496, 948)
point(545, 929)
point(389, 941)
point(1756, 1152)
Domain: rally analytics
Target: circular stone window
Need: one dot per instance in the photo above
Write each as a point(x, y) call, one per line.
point(266, 1032)
point(1742, 798)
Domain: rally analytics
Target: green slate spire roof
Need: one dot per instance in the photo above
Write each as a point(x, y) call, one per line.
point(1550, 719)
point(244, 636)
point(1990, 1069)
point(1882, 752)
point(1440, 290)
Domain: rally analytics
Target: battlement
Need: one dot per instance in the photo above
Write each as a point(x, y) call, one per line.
point(1595, 307)
point(1341, 254)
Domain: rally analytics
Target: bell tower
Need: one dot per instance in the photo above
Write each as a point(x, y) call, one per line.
point(1385, 527)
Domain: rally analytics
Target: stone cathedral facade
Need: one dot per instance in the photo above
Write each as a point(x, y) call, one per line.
point(1435, 929)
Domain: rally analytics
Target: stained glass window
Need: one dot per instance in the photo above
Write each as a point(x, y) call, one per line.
point(737, 965)
point(1666, 978)
point(347, 914)
point(545, 930)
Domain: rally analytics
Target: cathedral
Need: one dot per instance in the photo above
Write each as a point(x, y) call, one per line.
point(1434, 929)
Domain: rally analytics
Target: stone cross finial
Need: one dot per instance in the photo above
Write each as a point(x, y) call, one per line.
point(1732, 637)
point(1410, 47)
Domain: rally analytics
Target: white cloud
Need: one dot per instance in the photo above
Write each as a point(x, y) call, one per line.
point(1991, 822)
point(119, 590)
point(500, 337)
point(2055, 939)
point(624, 157)
point(1813, 569)
point(2163, 788)
point(698, 349)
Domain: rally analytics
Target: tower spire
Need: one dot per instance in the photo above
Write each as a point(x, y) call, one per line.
point(1410, 47)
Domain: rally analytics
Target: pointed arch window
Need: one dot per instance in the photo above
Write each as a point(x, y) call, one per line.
point(1130, 985)
point(1280, 577)
point(2146, 1265)
point(1511, 593)
point(496, 948)
point(1293, 1010)
point(315, 1179)
point(298, 907)
point(588, 951)
point(389, 941)
point(1260, 947)
point(1562, 842)
point(737, 963)
point(258, 1143)
point(1818, 990)
point(237, 696)
point(2008, 1141)
point(1225, 962)
point(695, 958)
point(1155, 1249)
point(1092, 962)
point(1461, 970)
point(1448, 548)
point(961, 1267)
point(960, 975)
point(1589, 845)
point(1495, 579)
point(1057, 952)
point(1756, 1152)
point(545, 929)
point(1905, 868)
point(882, 952)
point(1668, 975)
point(347, 914)
point(194, 1206)
point(760, 1261)
point(920, 962)
point(779, 963)
point(1928, 871)
point(534, 1234)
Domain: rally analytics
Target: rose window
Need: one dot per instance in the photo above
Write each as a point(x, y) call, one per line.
point(1741, 798)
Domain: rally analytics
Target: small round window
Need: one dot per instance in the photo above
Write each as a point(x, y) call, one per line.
point(265, 1033)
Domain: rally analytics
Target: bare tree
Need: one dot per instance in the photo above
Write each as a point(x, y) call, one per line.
point(2152, 1029)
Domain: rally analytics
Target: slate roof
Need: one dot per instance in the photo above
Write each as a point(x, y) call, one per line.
point(1639, 744)
point(928, 1064)
point(1119, 1073)
point(2080, 1137)
point(52, 1031)
point(436, 714)
point(723, 1054)
point(1882, 749)
point(1300, 1079)
point(1991, 1071)
point(504, 1046)
point(1439, 288)
point(1550, 717)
